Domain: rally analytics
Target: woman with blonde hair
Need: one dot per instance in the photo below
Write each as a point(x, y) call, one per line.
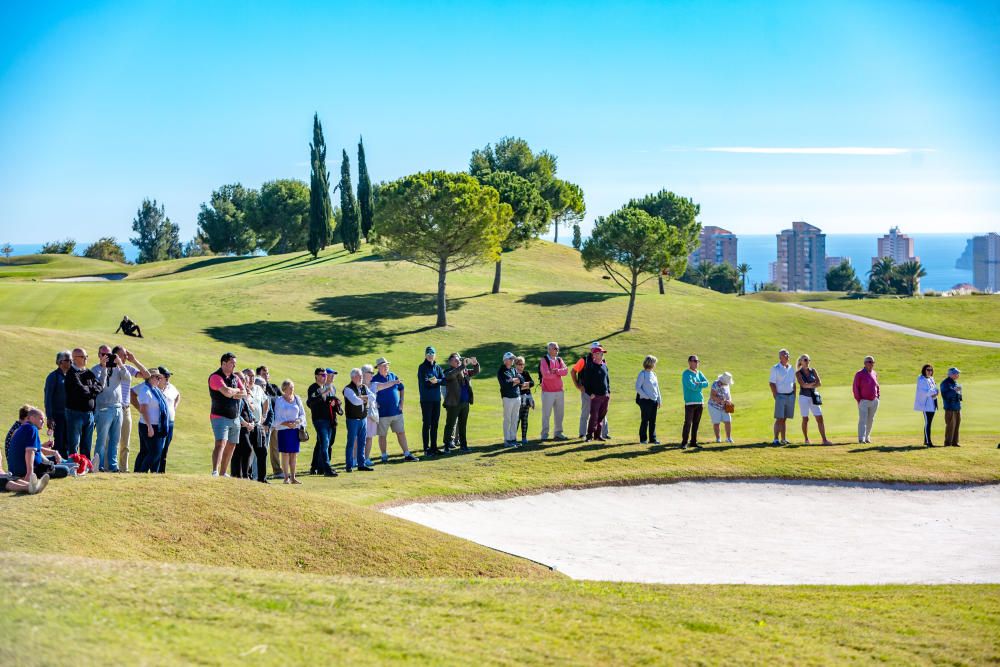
point(720, 405)
point(809, 398)
point(289, 415)
point(647, 395)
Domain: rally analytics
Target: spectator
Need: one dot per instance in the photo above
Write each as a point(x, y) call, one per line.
point(552, 369)
point(809, 398)
point(527, 400)
point(55, 400)
point(82, 388)
point(356, 399)
point(720, 405)
point(319, 396)
point(430, 380)
point(289, 415)
point(272, 391)
point(866, 393)
point(576, 375)
point(693, 382)
point(22, 418)
point(926, 401)
point(25, 455)
point(241, 464)
point(951, 397)
point(597, 384)
point(173, 397)
point(257, 393)
point(510, 394)
point(782, 384)
point(121, 461)
point(457, 399)
point(336, 408)
point(371, 425)
point(108, 409)
point(128, 327)
point(390, 410)
point(647, 395)
point(226, 391)
point(153, 416)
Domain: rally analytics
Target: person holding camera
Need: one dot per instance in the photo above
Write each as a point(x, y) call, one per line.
point(457, 399)
point(108, 409)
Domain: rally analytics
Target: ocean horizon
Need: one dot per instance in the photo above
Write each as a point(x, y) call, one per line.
point(937, 252)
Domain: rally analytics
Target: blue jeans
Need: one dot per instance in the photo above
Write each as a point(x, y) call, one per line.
point(150, 449)
point(79, 431)
point(108, 425)
point(357, 433)
point(321, 452)
point(166, 445)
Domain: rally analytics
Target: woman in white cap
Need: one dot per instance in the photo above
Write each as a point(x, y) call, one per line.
point(720, 405)
point(510, 393)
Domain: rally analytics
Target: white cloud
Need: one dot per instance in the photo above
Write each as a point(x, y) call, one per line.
point(814, 150)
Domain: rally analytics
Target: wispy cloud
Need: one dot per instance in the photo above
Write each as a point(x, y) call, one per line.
point(810, 150)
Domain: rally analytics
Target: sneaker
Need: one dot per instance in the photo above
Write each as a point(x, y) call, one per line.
point(331, 473)
point(32, 483)
point(785, 442)
point(348, 469)
point(449, 448)
point(524, 442)
point(369, 463)
point(410, 457)
point(729, 440)
point(40, 484)
point(718, 440)
point(365, 468)
point(509, 443)
point(385, 458)
point(601, 438)
point(868, 441)
point(464, 448)
point(215, 473)
point(777, 442)
point(654, 441)
point(642, 442)
point(561, 436)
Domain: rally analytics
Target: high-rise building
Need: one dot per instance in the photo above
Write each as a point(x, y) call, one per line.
point(896, 245)
point(717, 246)
point(801, 262)
point(986, 262)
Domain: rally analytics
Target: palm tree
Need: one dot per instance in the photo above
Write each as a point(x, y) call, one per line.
point(743, 269)
point(703, 272)
point(910, 274)
point(879, 278)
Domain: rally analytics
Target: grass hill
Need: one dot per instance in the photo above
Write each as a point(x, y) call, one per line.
point(43, 267)
point(294, 313)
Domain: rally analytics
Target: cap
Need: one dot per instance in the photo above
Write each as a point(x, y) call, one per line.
point(508, 355)
point(259, 381)
point(330, 371)
point(954, 371)
point(164, 371)
point(429, 350)
point(596, 346)
point(380, 361)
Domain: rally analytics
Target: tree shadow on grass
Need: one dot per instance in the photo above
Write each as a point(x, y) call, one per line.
point(380, 306)
point(211, 261)
point(567, 297)
point(635, 453)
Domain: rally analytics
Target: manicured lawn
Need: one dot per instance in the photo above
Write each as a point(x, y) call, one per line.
point(40, 267)
point(147, 613)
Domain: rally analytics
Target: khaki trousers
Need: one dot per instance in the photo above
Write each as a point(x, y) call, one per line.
point(125, 439)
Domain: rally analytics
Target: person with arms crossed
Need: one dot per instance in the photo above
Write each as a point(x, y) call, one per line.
point(782, 383)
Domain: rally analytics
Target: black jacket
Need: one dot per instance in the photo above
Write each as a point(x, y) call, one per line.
point(596, 381)
point(507, 388)
point(319, 405)
point(82, 387)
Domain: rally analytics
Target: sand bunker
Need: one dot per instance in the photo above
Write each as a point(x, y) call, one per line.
point(87, 279)
point(741, 532)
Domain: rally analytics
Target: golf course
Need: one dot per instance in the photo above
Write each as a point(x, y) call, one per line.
point(171, 569)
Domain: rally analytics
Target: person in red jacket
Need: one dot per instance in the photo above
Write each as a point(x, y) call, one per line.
point(866, 393)
point(552, 369)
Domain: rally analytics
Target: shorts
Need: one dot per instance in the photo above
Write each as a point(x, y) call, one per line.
point(385, 423)
point(784, 406)
point(719, 415)
point(372, 428)
point(806, 406)
point(226, 429)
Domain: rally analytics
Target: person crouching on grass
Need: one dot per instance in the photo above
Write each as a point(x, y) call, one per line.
point(289, 415)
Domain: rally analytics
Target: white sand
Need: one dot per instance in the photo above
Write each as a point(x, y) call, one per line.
point(741, 532)
point(87, 279)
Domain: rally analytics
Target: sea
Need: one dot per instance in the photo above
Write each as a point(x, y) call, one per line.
point(937, 252)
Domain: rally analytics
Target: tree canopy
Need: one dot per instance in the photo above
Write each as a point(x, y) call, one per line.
point(842, 278)
point(281, 217)
point(64, 247)
point(106, 249)
point(350, 217)
point(320, 208)
point(442, 221)
point(225, 222)
point(158, 238)
point(366, 197)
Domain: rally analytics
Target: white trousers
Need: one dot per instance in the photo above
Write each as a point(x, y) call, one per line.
point(511, 408)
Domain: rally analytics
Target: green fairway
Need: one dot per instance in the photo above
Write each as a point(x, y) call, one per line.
point(294, 312)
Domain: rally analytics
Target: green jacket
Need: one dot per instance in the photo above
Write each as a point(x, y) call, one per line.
point(693, 382)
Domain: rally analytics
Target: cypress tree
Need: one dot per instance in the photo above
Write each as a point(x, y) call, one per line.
point(320, 209)
point(366, 202)
point(350, 224)
point(577, 239)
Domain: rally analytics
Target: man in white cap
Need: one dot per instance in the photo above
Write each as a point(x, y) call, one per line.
point(510, 394)
point(390, 410)
point(577, 377)
point(552, 370)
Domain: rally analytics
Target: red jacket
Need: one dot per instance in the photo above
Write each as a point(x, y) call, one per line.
point(83, 464)
point(866, 386)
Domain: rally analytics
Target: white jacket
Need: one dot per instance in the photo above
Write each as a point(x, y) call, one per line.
point(927, 391)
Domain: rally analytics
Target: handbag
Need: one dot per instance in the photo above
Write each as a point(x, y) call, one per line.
point(303, 434)
point(817, 399)
point(729, 407)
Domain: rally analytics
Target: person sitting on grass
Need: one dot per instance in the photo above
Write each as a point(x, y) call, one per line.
point(27, 453)
point(129, 328)
point(527, 400)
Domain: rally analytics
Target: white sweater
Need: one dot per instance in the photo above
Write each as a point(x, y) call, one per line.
point(286, 412)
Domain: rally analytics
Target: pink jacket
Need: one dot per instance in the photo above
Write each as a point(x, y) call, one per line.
point(553, 374)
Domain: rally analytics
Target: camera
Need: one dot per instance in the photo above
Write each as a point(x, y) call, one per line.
point(111, 361)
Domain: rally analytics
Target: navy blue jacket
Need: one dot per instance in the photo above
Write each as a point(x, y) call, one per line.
point(430, 392)
point(951, 394)
point(55, 394)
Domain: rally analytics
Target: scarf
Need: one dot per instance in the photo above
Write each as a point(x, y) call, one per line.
point(161, 401)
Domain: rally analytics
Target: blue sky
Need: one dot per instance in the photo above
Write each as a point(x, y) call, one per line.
point(853, 116)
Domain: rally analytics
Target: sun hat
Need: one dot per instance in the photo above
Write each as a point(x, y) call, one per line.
point(380, 361)
point(726, 378)
point(508, 355)
point(954, 371)
point(429, 350)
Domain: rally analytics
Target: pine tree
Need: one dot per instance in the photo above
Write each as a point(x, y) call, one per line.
point(320, 209)
point(366, 202)
point(577, 238)
point(350, 224)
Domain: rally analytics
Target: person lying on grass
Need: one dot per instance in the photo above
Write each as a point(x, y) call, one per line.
point(129, 328)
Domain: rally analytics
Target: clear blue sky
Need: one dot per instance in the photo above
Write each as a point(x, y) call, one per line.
point(103, 105)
